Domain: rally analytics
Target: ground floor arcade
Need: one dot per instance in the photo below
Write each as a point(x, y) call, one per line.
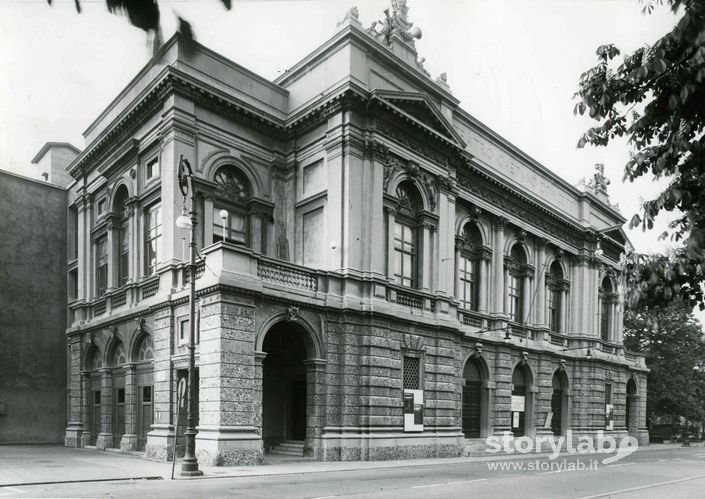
point(345, 386)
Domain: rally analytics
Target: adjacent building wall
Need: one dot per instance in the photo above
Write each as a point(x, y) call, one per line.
point(32, 311)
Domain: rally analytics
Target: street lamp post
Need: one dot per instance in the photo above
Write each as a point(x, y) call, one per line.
point(189, 466)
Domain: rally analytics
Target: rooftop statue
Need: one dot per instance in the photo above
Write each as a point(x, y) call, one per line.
point(598, 184)
point(351, 15)
point(395, 23)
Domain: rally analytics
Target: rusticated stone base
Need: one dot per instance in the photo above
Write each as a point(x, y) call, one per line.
point(85, 439)
point(104, 441)
point(128, 443)
point(160, 443)
point(387, 446)
point(229, 446)
point(232, 457)
point(73, 437)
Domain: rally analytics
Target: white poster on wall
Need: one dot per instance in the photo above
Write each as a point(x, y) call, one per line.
point(413, 410)
point(518, 403)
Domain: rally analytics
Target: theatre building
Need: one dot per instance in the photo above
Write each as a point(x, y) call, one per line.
point(380, 276)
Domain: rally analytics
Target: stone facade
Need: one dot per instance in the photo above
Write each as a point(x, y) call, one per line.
point(379, 275)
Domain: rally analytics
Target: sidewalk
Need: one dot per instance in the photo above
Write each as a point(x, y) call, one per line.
point(44, 464)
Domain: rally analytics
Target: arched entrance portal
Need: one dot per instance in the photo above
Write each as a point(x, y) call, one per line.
point(630, 416)
point(475, 398)
point(559, 404)
point(284, 385)
point(521, 403)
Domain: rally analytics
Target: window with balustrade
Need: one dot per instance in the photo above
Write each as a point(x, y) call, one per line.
point(555, 289)
point(153, 238)
point(470, 246)
point(406, 234)
point(101, 259)
point(516, 276)
point(230, 212)
point(607, 300)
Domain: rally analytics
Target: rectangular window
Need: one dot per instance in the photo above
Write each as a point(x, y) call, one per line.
point(604, 319)
point(101, 206)
point(153, 238)
point(554, 310)
point(313, 238)
point(73, 284)
point(124, 256)
point(404, 254)
point(467, 283)
point(152, 168)
point(183, 332)
point(233, 226)
point(514, 298)
point(411, 373)
point(101, 258)
point(73, 233)
point(609, 408)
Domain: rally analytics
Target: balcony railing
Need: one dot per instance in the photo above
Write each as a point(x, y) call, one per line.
point(287, 275)
point(471, 318)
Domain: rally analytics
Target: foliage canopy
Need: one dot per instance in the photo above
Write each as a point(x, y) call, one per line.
point(655, 97)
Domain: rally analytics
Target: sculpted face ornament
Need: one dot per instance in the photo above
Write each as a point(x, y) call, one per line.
point(292, 313)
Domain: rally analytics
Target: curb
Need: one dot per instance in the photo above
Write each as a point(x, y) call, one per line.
point(91, 480)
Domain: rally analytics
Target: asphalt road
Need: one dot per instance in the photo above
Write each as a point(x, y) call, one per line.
point(655, 473)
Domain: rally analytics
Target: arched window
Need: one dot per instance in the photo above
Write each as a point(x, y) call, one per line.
point(145, 349)
point(405, 234)
point(472, 406)
point(520, 403)
point(121, 216)
point(606, 298)
point(469, 267)
point(229, 215)
point(554, 283)
point(559, 403)
point(117, 356)
point(516, 273)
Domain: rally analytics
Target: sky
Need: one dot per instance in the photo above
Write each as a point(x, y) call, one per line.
point(513, 64)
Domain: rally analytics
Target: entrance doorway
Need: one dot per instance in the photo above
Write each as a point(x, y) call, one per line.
point(472, 400)
point(284, 385)
point(521, 401)
point(630, 416)
point(559, 404)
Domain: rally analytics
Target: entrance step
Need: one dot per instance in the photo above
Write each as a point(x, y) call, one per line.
point(289, 448)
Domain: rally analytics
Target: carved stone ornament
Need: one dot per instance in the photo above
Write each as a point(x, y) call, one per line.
point(114, 331)
point(292, 313)
point(413, 343)
point(524, 357)
point(478, 349)
point(140, 324)
point(351, 15)
point(598, 183)
point(396, 23)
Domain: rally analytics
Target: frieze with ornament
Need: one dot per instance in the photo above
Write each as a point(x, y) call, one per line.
point(519, 209)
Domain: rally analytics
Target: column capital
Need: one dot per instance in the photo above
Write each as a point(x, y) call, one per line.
point(499, 223)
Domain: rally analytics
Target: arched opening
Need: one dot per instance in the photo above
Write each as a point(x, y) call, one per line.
point(559, 404)
point(607, 299)
point(232, 195)
point(406, 237)
point(521, 403)
point(93, 394)
point(554, 283)
point(116, 360)
point(469, 268)
point(121, 243)
point(516, 283)
point(631, 410)
point(474, 402)
point(284, 387)
point(144, 389)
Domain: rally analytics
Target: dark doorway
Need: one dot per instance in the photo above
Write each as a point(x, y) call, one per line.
point(95, 416)
point(145, 415)
point(519, 402)
point(284, 397)
point(630, 411)
point(559, 403)
point(472, 400)
point(118, 416)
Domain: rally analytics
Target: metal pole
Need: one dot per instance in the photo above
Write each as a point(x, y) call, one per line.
point(189, 466)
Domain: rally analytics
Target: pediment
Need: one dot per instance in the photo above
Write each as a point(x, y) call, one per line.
point(422, 111)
